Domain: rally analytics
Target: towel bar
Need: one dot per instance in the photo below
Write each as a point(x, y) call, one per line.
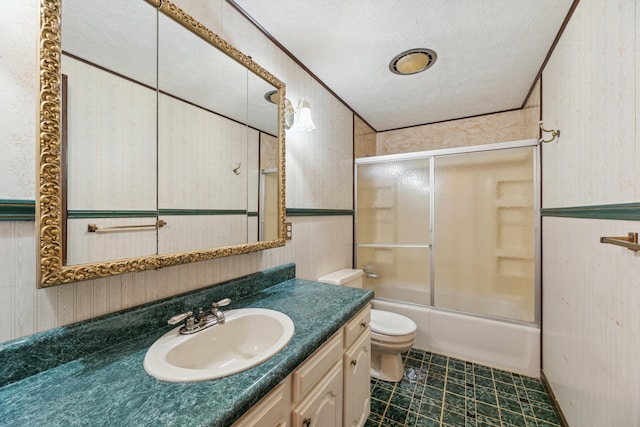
point(93, 228)
point(630, 242)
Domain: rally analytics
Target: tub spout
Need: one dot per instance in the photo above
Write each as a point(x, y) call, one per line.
point(368, 271)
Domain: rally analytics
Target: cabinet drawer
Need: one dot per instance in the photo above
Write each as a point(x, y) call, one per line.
point(318, 364)
point(356, 326)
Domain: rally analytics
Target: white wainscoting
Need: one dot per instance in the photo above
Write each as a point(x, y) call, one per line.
point(591, 321)
point(319, 245)
point(84, 246)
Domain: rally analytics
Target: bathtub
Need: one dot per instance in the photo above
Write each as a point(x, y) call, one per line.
point(510, 346)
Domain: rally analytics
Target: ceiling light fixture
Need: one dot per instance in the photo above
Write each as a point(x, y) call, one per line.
point(412, 61)
point(272, 96)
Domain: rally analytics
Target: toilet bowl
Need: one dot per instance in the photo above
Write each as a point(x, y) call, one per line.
point(391, 333)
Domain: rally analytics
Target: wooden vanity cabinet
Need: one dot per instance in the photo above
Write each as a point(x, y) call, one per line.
point(272, 410)
point(323, 406)
point(329, 389)
point(356, 368)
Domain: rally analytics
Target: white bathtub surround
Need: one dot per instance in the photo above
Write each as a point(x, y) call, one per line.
point(504, 345)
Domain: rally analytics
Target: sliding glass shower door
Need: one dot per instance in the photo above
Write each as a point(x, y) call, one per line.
point(454, 229)
point(393, 216)
point(484, 235)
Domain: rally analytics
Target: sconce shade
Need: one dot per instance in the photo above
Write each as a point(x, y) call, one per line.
point(304, 116)
point(303, 120)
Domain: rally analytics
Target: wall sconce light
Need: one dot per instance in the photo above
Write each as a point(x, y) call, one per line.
point(304, 120)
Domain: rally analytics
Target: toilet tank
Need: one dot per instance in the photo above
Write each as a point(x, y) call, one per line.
point(345, 277)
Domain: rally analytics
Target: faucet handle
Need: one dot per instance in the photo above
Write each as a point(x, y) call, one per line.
point(179, 318)
point(221, 303)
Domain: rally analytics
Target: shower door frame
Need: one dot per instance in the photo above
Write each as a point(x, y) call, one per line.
point(431, 155)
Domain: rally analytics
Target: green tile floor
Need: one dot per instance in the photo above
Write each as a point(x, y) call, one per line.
point(444, 391)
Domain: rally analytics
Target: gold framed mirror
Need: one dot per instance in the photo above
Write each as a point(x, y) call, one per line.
point(53, 212)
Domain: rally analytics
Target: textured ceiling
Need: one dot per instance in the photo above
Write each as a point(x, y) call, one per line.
point(489, 52)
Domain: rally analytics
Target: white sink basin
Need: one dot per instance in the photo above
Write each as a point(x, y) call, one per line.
point(248, 337)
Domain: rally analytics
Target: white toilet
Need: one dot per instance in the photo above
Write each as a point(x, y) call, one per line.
point(391, 333)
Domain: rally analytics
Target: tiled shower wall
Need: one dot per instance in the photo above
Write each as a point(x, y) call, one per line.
point(591, 296)
point(319, 176)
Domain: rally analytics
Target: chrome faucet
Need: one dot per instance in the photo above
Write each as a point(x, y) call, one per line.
point(201, 320)
point(368, 271)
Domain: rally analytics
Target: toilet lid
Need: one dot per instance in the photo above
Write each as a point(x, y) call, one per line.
point(385, 322)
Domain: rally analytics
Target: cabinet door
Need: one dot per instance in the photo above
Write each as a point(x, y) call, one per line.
point(271, 411)
point(323, 406)
point(357, 381)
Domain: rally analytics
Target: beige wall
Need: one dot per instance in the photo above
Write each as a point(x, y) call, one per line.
point(19, 84)
point(318, 176)
point(364, 138)
point(591, 298)
point(499, 127)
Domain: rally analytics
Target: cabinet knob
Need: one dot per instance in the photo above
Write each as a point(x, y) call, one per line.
point(363, 324)
point(306, 422)
point(354, 362)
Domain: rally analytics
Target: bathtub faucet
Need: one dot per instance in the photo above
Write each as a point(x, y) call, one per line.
point(368, 271)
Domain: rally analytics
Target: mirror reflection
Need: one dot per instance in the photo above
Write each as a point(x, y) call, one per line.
point(109, 115)
point(202, 143)
point(170, 145)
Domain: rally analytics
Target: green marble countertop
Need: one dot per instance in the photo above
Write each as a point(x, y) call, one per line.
point(110, 387)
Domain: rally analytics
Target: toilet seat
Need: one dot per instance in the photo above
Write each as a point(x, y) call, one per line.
point(392, 341)
point(387, 323)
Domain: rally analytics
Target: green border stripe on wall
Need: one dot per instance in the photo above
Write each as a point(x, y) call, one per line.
point(88, 214)
point(623, 211)
point(186, 212)
point(75, 214)
point(25, 210)
point(17, 210)
point(319, 212)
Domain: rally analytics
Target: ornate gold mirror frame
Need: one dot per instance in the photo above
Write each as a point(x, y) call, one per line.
point(51, 269)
